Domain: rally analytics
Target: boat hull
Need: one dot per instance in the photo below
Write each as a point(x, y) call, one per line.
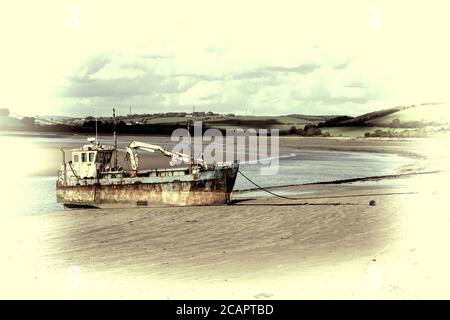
point(204, 188)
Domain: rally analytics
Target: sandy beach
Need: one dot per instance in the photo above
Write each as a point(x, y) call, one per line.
point(328, 243)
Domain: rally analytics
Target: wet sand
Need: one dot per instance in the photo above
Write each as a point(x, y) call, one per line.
point(328, 244)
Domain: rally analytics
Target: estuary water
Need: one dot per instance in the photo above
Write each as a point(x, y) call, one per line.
point(28, 166)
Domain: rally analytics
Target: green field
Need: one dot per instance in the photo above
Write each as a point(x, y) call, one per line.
point(244, 122)
point(165, 120)
point(353, 132)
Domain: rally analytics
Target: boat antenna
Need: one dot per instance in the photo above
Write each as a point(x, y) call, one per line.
point(115, 139)
point(96, 130)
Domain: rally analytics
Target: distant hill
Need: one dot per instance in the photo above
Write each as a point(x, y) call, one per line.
point(284, 122)
point(401, 121)
point(415, 116)
point(412, 116)
point(268, 122)
point(311, 118)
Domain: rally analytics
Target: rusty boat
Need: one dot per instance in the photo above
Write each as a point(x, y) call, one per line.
point(92, 179)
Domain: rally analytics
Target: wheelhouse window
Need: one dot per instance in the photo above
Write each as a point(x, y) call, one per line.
point(91, 156)
point(76, 158)
point(83, 157)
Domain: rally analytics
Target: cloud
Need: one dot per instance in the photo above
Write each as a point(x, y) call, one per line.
point(215, 76)
point(258, 73)
point(342, 65)
point(116, 77)
point(122, 88)
point(327, 93)
point(356, 84)
point(154, 83)
point(91, 66)
point(302, 69)
point(272, 71)
point(156, 56)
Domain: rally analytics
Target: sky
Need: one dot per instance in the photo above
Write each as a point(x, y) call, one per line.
point(81, 58)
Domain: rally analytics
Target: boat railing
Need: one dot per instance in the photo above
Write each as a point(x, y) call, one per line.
point(61, 175)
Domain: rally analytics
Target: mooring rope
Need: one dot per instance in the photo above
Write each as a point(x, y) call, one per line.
point(264, 189)
point(321, 197)
point(73, 171)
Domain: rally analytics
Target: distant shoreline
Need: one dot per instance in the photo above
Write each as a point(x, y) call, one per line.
point(411, 121)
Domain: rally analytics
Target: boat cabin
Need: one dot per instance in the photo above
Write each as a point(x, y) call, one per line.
point(90, 160)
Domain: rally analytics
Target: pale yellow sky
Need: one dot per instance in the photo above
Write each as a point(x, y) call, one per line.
point(271, 57)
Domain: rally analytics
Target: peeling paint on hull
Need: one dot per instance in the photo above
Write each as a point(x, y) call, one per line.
point(204, 188)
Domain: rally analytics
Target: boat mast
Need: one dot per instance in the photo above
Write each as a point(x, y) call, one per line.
point(96, 130)
point(190, 146)
point(115, 139)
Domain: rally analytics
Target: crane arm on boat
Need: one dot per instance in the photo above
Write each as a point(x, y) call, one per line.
point(176, 157)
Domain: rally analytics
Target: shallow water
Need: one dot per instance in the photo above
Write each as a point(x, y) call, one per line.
point(28, 186)
point(316, 166)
